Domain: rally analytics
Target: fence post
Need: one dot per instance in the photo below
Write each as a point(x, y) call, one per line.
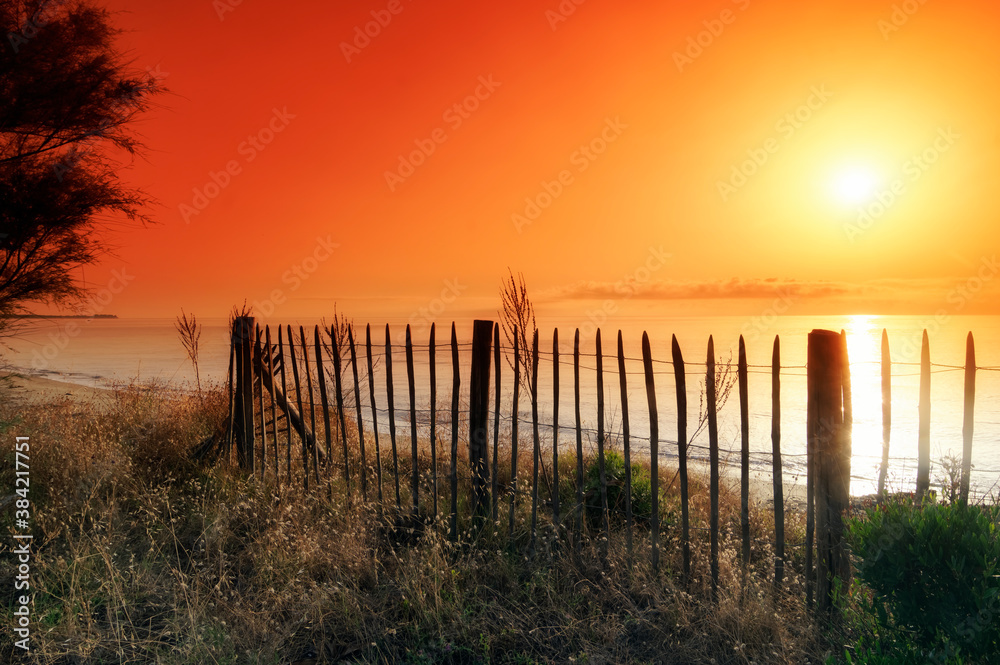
point(924, 427)
point(827, 369)
point(779, 489)
point(479, 411)
point(883, 469)
point(243, 425)
point(967, 422)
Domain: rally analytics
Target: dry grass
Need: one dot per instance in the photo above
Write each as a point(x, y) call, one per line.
point(144, 557)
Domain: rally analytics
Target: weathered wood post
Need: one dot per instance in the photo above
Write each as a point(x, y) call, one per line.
point(243, 427)
point(969, 414)
point(827, 369)
point(924, 426)
point(883, 469)
point(654, 453)
point(479, 411)
point(779, 489)
point(680, 380)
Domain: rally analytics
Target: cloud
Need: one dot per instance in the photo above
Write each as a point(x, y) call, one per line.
point(744, 289)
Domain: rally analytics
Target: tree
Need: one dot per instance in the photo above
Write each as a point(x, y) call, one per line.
point(67, 96)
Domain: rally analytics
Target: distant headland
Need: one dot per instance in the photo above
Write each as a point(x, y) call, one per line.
point(64, 316)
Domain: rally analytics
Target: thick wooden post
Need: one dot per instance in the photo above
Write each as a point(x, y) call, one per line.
point(970, 406)
point(496, 421)
point(924, 431)
point(827, 368)
point(479, 414)
point(243, 428)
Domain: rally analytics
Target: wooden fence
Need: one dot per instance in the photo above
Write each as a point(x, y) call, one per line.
point(261, 386)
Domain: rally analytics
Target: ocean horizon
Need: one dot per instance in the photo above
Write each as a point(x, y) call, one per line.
point(100, 352)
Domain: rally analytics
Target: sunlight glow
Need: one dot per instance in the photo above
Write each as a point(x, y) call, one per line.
point(855, 185)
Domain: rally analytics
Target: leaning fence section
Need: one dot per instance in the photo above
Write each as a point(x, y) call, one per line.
point(297, 416)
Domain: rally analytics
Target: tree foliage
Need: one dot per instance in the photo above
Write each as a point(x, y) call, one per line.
point(67, 98)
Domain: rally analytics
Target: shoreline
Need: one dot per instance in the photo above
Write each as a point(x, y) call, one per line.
point(28, 388)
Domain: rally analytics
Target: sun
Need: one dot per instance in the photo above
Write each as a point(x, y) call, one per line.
point(854, 185)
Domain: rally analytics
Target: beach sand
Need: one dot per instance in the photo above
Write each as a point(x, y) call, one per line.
point(33, 389)
point(28, 389)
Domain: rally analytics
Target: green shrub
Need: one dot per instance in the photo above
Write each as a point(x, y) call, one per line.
point(934, 572)
point(614, 470)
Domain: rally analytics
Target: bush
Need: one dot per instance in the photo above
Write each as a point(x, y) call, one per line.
point(934, 573)
point(614, 470)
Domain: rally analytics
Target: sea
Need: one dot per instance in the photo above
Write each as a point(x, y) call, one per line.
point(108, 351)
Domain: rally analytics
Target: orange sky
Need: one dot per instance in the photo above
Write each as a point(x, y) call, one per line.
point(693, 157)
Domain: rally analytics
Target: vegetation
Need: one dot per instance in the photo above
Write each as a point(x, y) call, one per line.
point(517, 321)
point(929, 583)
point(144, 556)
point(189, 332)
point(68, 99)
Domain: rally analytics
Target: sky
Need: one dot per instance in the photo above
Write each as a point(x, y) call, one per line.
point(397, 158)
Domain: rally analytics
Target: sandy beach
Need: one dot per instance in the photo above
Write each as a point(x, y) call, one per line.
point(25, 388)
